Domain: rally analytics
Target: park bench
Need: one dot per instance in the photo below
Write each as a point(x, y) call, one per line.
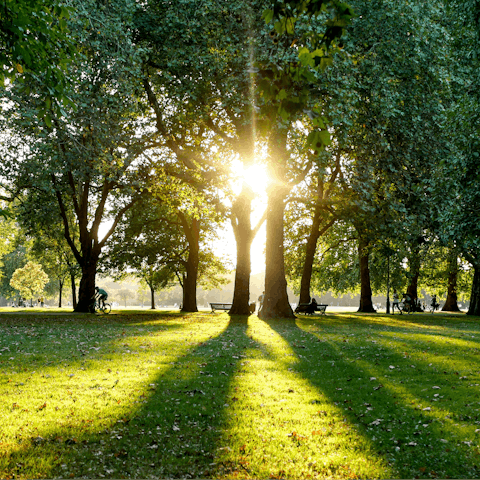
point(305, 307)
point(220, 306)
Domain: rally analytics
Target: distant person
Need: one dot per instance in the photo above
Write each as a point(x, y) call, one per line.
point(396, 301)
point(102, 295)
point(434, 303)
point(261, 299)
point(407, 299)
point(312, 307)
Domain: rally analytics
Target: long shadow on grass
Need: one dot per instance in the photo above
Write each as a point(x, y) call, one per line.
point(430, 321)
point(410, 438)
point(172, 429)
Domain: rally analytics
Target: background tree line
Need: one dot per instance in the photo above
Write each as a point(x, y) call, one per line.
point(365, 115)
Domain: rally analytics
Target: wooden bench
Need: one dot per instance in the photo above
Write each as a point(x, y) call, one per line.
point(304, 307)
point(220, 306)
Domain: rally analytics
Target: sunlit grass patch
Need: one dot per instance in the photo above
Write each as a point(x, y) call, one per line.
point(149, 395)
point(282, 426)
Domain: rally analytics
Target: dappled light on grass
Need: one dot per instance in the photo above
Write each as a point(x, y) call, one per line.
point(280, 426)
point(82, 383)
point(417, 391)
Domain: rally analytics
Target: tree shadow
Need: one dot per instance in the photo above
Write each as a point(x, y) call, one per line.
point(171, 428)
point(404, 428)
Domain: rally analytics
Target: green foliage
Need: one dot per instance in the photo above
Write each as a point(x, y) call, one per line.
point(151, 244)
point(84, 166)
point(29, 280)
point(35, 43)
point(7, 232)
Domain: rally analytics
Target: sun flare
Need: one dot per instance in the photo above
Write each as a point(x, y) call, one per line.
point(255, 176)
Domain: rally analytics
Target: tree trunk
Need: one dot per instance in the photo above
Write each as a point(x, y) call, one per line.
point(88, 264)
point(366, 304)
point(474, 308)
point(412, 288)
point(192, 232)
point(74, 290)
point(276, 304)
point(241, 293)
point(242, 228)
point(152, 298)
point(190, 285)
point(451, 304)
point(87, 287)
point(316, 232)
point(310, 249)
point(60, 289)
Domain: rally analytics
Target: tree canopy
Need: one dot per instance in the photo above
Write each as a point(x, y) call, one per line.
point(134, 113)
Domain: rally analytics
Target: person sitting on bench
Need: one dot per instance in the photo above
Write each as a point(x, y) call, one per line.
point(312, 307)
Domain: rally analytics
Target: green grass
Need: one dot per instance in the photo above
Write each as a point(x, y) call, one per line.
point(149, 394)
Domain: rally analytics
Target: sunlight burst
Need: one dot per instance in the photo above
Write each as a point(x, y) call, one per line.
point(255, 176)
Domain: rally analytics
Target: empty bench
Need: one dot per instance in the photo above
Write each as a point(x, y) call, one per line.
point(307, 307)
point(220, 306)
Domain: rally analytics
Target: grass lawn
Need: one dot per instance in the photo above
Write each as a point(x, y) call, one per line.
point(161, 394)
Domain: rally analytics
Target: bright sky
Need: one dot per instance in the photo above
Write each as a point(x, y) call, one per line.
point(255, 176)
point(226, 247)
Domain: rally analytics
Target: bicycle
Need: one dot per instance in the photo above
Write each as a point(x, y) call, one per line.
point(405, 307)
point(100, 307)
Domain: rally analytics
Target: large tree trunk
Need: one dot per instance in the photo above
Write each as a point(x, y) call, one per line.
point(322, 194)
point(192, 232)
point(414, 271)
point(474, 308)
point(242, 228)
point(190, 285)
point(310, 249)
point(412, 288)
point(451, 304)
point(87, 286)
point(366, 304)
point(276, 304)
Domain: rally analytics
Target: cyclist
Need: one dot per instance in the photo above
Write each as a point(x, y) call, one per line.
point(101, 295)
point(407, 300)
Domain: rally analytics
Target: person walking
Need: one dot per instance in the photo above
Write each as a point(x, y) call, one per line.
point(261, 299)
point(396, 301)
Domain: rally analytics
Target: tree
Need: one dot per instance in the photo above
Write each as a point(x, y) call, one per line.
point(383, 132)
point(124, 295)
point(148, 245)
point(165, 236)
point(286, 88)
point(29, 280)
point(8, 231)
point(90, 160)
point(456, 184)
point(53, 253)
point(206, 85)
point(218, 94)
